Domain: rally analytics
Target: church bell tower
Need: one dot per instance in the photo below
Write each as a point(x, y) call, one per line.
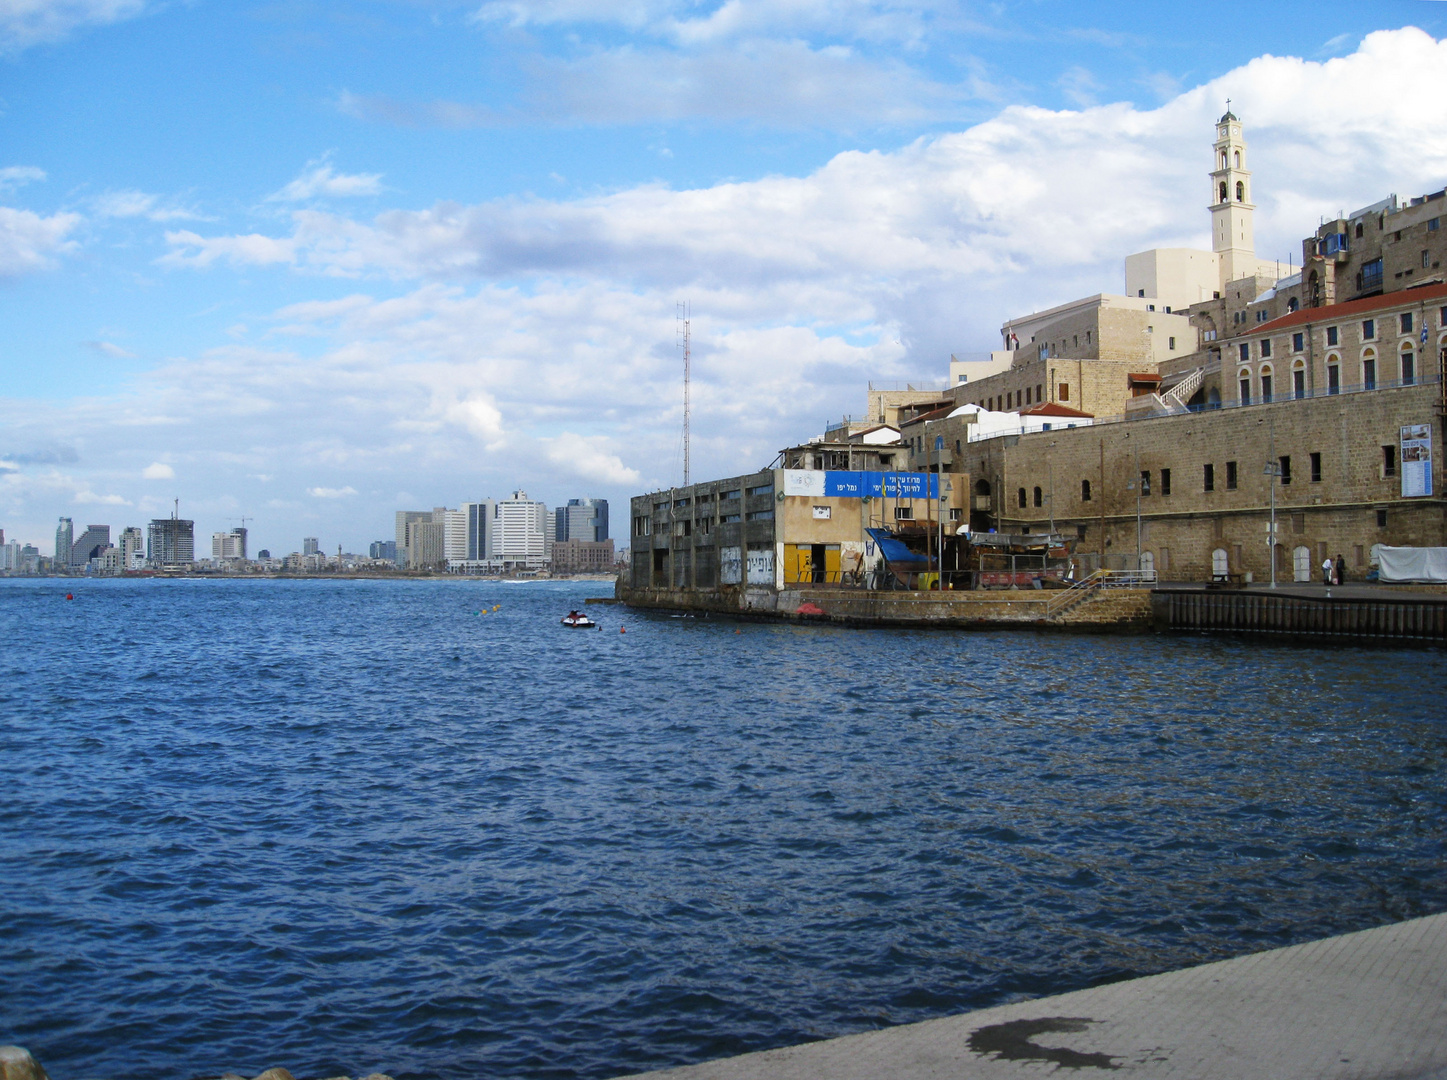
point(1232, 237)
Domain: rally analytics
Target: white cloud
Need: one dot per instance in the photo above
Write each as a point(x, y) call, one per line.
point(14, 176)
point(318, 179)
point(191, 249)
point(590, 459)
point(90, 498)
point(331, 493)
point(30, 22)
point(30, 242)
point(158, 470)
point(131, 204)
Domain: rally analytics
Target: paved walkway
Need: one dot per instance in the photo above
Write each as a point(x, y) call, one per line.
point(1364, 1006)
point(1352, 590)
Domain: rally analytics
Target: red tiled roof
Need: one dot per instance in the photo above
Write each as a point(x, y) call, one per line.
point(1143, 376)
point(1050, 408)
point(1400, 298)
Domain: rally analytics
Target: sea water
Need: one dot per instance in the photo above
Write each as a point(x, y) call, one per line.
point(419, 827)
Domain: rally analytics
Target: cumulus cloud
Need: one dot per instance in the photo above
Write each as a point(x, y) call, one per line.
point(31, 22)
point(194, 250)
point(158, 470)
point(331, 493)
point(319, 180)
point(30, 242)
point(590, 458)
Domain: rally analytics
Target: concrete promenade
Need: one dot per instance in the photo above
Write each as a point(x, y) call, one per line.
point(1364, 1006)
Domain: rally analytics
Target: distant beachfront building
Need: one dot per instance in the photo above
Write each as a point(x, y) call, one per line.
point(310, 545)
point(229, 546)
point(91, 543)
point(383, 549)
point(171, 543)
point(133, 548)
point(424, 542)
point(64, 538)
point(583, 557)
point(521, 530)
point(581, 519)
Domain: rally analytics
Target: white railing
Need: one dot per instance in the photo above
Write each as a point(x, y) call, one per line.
point(1178, 397)
point(1088, 586)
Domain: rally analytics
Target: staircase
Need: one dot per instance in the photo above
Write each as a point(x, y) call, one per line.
point(1175, 399)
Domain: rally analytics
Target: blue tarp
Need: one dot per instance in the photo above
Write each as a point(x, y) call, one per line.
point(894, 551)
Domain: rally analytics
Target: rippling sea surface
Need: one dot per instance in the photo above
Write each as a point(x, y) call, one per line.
point(353, 826)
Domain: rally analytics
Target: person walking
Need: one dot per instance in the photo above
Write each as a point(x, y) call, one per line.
point(1327, 571)
point(1341, 570)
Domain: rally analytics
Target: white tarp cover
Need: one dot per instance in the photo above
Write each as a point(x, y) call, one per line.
point(1412, 563)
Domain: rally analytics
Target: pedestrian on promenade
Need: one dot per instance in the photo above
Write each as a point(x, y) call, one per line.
point(1341, 570)
point(1327, 571)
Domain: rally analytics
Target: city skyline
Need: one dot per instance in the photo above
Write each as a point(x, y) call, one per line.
point(390, 279)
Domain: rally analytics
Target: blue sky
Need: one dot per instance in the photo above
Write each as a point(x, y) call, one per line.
point(312, 263)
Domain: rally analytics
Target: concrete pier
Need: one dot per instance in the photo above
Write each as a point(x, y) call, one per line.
point(1364, 1006)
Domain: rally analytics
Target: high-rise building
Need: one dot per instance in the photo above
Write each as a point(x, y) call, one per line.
point(404, 517)
point(425, 544)
point(171, 543)
point(454, 533)
point(133, 548)
point(522, 530)
point(64, 539)
point(91, 543)
point(383, 549)
point(9, 555)
point(229, 546)
point(581, 519)
point(310, 545)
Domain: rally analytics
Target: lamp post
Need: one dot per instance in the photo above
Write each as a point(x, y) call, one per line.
point(1050, 470)
point(1272, 472)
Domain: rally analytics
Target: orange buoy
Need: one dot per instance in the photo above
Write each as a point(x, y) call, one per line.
point(622, 629)
point(70, 596)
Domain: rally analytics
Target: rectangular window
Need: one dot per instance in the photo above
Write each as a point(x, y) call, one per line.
point(1409, 368)
point(1381, 519)
point(1165, 481)
point(1442, 319)
point(1315, 467)
point(1296, 342)
point(1298, 383)
point(1265, 348)
point(1245, 351)
point(1298, 523)
point(1170, 343)
point(1433, 224)
point(1333, 380)
point(1145, 482)
point(1369, 374)
point(1245, 391)
point(1284, 463)
point(734, 494)
point(760, 515)
point(1331, 335)
point(1371, 276)
point(1389, 461)
point(1230, 476)
point(728, 519)
point(762, 489)
point(1406, 320)
point(1426, 260)
point(903, 513)
point(1266, 388)
point(1085, 491)
point(1208, 478)
point(1064, 391)
point(1369, 329)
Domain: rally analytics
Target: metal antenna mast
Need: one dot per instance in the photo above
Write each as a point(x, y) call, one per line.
point(684, 342)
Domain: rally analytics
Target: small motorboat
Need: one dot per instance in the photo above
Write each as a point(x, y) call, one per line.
point(575, 620)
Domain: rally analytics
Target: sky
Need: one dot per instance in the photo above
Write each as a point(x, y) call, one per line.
point(306, 264)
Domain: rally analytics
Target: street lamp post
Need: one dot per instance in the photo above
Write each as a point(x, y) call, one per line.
point(1272, 472)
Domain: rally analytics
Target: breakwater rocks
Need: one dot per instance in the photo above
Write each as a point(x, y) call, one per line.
point(16, 1063)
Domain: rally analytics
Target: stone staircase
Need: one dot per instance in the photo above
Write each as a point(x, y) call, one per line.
point(1112, 610)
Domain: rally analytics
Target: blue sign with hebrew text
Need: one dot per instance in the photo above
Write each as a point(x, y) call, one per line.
point(892, 485)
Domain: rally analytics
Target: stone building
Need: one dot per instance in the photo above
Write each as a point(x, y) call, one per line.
point(582, 556)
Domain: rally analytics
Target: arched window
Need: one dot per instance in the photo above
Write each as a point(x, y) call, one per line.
point(1223, 159)
point(1039, 497)
point(1266, 380)
point(1333, 373)
point(1369, 369)
point(1409, 366)
point(982, 487)
point(1022, 498)
point(1223, 191)
point(1085, 491)
point(1298, 379)
point(1240, 191)
point(1293, 304)
point(1301, 563)
point(1238, 159)
point(1243, 380)
point(1220, 563)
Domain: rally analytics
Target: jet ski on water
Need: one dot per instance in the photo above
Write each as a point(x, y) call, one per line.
point(575, 620)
